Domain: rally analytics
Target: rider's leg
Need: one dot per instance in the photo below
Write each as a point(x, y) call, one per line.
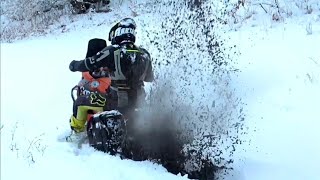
point(80, 113)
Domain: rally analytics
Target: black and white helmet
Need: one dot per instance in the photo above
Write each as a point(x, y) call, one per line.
point(123, 31)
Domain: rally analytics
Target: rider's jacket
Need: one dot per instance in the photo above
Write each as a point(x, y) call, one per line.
point(129, 66)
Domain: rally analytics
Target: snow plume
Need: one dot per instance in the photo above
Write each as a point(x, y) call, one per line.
point(194, 69)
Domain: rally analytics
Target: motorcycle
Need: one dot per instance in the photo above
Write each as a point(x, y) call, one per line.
point(105, 129)
point(113, 132)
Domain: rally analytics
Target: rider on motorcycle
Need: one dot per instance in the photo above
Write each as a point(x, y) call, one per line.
point(128, 67)
point(92, 84)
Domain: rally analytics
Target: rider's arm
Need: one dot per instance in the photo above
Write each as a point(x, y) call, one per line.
point(104, 58)
point(149, 73)
point(149, 76)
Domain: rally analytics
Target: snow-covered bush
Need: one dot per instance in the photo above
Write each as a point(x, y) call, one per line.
point(277, 10)
point(20, 18)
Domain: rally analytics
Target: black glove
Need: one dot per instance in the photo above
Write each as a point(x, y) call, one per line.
point(73, 66)
point(88, 64)
point(78, 66)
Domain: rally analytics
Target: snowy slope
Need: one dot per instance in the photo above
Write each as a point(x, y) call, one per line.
point(35, 105)
point(279, 82)
point(34, 120)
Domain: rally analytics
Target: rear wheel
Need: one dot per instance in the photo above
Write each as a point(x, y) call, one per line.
point(106, 131)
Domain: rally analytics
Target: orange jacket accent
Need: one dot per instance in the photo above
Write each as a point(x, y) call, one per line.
point(104, 82)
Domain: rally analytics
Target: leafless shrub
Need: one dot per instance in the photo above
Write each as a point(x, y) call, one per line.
point(236, 7)
point(13, 145)
point(35, 145)
point(309, 28)
point(306, 5)
point(25, 17)
point(24, 148)
point(241, 10)
point(316, 62)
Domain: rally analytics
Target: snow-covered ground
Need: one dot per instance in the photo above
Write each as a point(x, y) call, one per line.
point(279, 82)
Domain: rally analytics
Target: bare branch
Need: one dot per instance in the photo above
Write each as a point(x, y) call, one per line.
point(315, 61)
point(263, 8)
point(34, 141)
point(309, 28)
